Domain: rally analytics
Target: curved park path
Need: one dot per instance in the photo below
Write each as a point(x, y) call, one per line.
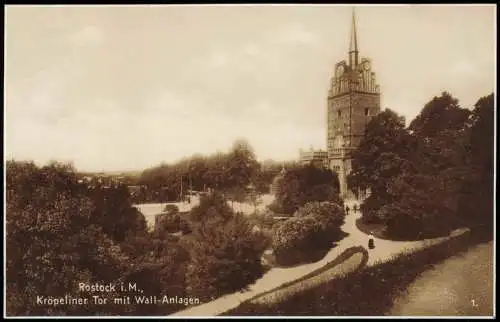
point(384, 250)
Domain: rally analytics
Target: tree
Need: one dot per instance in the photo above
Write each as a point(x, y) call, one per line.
point(476, 198)
point(442, 113)
point(51, 241)
point(241, 169)
point(157, 266)
point(114, 212)
point(421, 181)
point(421, 208)
point(225, 256)
point(212, 206)
point(216, 175)
point(303, 184)
point(382, 154)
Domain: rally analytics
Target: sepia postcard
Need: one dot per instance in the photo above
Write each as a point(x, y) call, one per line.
point(179, 161)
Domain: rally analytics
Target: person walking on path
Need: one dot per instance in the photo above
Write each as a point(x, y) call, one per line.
point(347, 210)
point(371, 242)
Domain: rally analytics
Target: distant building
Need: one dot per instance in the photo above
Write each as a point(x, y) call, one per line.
point(317, 158)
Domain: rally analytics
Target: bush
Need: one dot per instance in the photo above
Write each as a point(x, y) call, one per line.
point(294, 239)
point(225, 251)
point(329, 214)
point(314, 227)
point(410, 219)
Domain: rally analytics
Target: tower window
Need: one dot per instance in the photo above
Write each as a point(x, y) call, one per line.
point(366, 111)
point(339, 113)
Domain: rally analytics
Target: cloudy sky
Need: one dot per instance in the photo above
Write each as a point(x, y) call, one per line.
point(120, 88)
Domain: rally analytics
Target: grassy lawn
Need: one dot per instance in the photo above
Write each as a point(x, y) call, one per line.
point(367, 292)
point(453, 288)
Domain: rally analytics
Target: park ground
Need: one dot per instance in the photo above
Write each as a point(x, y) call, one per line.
point(462, 285)
point(277, 276)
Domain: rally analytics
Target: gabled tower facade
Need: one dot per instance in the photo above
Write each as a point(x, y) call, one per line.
point(353, 99)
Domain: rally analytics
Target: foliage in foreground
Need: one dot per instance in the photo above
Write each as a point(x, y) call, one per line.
point(367, 292)
point(61, 232)
point(225, 250)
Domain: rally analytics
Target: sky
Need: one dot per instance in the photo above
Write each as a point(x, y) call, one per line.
point(112, 88)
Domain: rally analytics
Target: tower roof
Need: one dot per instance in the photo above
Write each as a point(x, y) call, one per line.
point(353, 45)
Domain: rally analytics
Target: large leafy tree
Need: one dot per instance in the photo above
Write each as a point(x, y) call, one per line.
point(242, 164)
point(225, 257)
point(241, 170)
point(114, 212)
point(382, 153)
point(482, 138)
point(441, 157)
point(418, 176)
point(157, 266)
point(52, 244)
point(476, 198)
point(442, 113)
point(303, 184)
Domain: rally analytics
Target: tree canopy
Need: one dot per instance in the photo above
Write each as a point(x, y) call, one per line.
point(420, 178)
point(303, 184)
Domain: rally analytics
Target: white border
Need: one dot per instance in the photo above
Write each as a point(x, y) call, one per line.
point(277, 317)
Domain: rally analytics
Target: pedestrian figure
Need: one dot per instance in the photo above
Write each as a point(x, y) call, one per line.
point(371, 242)
point(347, 210)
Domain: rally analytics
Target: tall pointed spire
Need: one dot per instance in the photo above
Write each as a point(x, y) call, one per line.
point(353, 45)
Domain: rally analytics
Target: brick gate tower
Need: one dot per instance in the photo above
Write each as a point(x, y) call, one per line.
point(353, 99)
